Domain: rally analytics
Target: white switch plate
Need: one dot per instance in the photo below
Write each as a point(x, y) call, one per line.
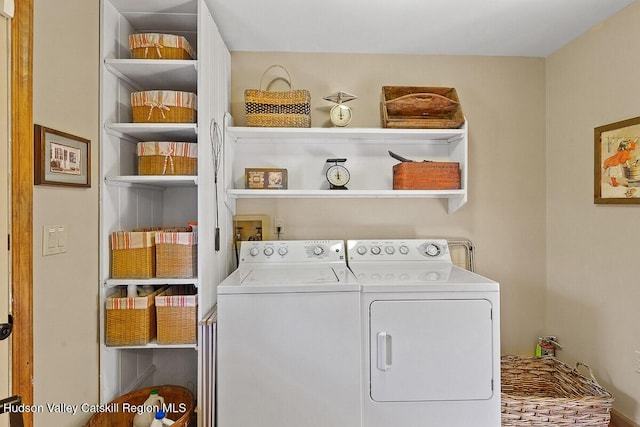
point(54, 239)
point(8, 8)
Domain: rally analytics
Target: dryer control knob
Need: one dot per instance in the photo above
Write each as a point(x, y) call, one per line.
point(404, 249)
point(376, 250)
point(362, 250)
point(283, 251)
point(432, 249)
point(318, 250)
point(389, 250)
point(268, 251)
point(254, 251)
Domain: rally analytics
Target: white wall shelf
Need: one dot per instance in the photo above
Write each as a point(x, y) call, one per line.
point(110, 283)
point(156, 74)
point(153, 182)
point(129, 201)
point(303, 152)
point(154, 131)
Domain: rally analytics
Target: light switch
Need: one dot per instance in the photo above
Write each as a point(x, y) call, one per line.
point(61, 233)
point(54, 239)
point(51, 235)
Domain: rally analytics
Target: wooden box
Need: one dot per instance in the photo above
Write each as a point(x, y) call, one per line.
point(420, 107)
point(426, 176)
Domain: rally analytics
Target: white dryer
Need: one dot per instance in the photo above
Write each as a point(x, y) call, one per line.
point(289, 338)
point(431, 336)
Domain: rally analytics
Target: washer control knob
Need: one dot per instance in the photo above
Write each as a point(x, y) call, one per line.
point(254, 251)
point(432, 249)
point(389, 250)
point(318, 250)
point(283, 251)
point(375, 250)
point(268, 251)
point(404, 249)
point(361, 250)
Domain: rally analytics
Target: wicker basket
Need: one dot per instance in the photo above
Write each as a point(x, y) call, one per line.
point(133, 255)
point(130, 320)
point(160, 46)
point(163, 106)
point(546, 392)
point(176, 312)
point(179, 399)
point(176, 254)
point(267, 108)
point(167, 158)
point(420, 107)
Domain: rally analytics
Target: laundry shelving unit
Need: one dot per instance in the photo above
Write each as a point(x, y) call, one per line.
point(129, 201)
point(303, 151)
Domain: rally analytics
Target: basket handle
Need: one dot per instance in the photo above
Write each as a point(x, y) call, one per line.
point(578, 364)
point(288, 81)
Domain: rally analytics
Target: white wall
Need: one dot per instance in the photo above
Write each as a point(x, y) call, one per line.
point(65, 294)
point(593, 285)
point(504, 102)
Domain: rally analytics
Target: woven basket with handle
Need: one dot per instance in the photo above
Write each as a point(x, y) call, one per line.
point(266, 108)
point(547, 392)
point(178, 398)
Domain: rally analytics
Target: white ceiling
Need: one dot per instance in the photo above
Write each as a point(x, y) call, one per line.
point(432, 27)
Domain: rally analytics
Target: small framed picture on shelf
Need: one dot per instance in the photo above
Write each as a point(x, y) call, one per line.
point(265, 179)
point(61, 158)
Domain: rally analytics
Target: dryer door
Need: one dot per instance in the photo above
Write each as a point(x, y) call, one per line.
point(430, 350)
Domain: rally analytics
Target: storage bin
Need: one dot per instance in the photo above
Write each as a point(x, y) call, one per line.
point(426, 176)
point(160, 46)
point(420, 107)
point(176, 254)
point(163, 106)
point(547, 392)
point(167, 158)
point(133, 255)
point(179, 401)
point(176, 313)
point(130, 320)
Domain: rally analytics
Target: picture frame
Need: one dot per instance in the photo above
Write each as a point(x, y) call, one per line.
point(617, 162)
point(265, 179)
point(61, 159)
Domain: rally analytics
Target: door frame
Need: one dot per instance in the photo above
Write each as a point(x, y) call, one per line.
point(22, 202)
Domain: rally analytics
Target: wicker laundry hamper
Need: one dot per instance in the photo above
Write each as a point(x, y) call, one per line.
point(160, 46)
point(178, 398)
point(545, 392)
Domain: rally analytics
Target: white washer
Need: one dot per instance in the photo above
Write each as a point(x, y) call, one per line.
point(289, 338)
point(431, 337)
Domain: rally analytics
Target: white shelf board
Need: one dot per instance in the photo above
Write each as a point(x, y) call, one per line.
point(343, 194)
point(373, 135)
point(186, 132)
point(156, 74)
point(151, 345)
point(110, 283)
point(155, 181)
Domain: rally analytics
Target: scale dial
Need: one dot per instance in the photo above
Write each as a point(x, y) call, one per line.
point(340, 115)
point(338, 176)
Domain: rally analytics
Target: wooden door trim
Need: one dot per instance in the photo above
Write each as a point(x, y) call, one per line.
point(22, 202)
